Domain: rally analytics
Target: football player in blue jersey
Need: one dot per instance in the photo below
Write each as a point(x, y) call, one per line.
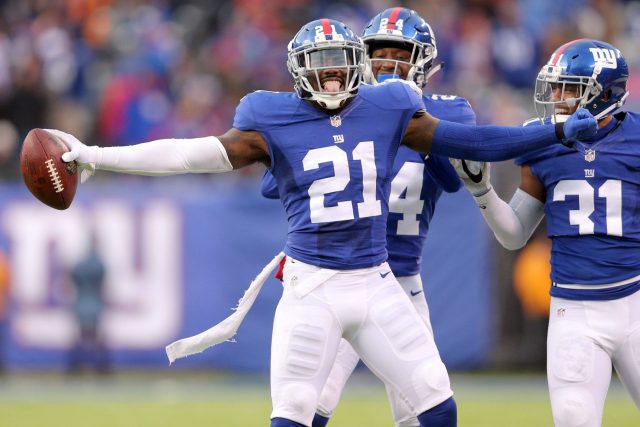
point(590, 195)
point(330, 146)
point(408, 53)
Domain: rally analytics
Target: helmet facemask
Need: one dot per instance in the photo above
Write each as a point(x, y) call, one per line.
point(571, 91)
point(420, 65)
point(310, 66)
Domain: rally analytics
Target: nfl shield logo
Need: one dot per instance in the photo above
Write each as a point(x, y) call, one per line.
point(336, 121)
point(590, 155)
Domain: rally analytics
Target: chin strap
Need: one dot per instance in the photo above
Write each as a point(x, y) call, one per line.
point(432, 71)
point(331, 103)
point(612, 108)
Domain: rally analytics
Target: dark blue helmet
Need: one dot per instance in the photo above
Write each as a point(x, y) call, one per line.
point(321, 45)
point(404, 28)
point(594, 74)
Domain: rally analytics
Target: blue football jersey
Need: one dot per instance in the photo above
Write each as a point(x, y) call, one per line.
point(416, 187)
point(593, 210)
point(333, 171)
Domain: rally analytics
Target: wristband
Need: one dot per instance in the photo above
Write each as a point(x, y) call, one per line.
point(561, 136)
point(478, 196)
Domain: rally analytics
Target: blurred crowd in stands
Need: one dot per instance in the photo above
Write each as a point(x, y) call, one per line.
point(117, 72)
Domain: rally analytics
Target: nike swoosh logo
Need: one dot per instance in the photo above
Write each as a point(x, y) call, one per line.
point(474, 177)
point(414, 293)
point(383, 275)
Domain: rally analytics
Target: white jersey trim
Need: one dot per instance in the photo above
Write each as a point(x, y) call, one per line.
point(606, 286)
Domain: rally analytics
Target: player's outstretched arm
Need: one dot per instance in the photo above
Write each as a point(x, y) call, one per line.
point(233, 150)
point(512, 223)
point(427, 134)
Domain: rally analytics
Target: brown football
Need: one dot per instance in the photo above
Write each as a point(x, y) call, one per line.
point(51, 180)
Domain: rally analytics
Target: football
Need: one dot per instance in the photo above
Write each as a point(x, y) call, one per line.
point(47, 177)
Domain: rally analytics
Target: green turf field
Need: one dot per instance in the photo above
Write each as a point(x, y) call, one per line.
point(176, 400)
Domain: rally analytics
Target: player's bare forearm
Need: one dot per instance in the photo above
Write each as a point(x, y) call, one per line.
point(530, 184)
point(245, 148)
point(419, 133)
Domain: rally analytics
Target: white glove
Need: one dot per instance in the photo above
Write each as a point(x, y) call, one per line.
point(474, 175)
point(83, 155)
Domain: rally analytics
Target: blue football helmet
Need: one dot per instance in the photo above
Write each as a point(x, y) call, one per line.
point(321, 45)
point(593, 74)
point(403, 28)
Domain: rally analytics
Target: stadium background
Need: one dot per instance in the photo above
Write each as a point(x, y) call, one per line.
point(180, 251)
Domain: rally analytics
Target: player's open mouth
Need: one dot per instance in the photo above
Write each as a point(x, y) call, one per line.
point(332, 84)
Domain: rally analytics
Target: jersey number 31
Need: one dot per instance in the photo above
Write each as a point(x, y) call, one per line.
point(610, 190)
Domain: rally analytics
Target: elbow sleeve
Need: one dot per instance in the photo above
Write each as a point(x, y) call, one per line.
point(512, 223)
point(167, 157)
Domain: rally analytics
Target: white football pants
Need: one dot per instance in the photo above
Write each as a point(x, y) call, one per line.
point(347, 360)
point(585, 339)
point(367, 308)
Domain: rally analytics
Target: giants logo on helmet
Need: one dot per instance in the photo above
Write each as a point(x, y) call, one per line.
point(606, 58)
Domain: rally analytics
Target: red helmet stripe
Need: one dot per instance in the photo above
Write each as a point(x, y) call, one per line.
point(558, 53)
point(393, 18)
point(326, 27)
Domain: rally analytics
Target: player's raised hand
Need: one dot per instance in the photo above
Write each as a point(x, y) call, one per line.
point(580, 125)
point(474, 175)
point(82, 154)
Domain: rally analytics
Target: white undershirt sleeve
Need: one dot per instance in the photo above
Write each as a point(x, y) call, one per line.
point(165, 157)
point(512, 223)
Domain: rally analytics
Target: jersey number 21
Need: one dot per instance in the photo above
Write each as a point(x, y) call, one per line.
point(342, 211)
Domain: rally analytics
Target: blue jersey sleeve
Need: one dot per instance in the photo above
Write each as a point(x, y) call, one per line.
point(454, 109)
point(415, 96)
point(463, 113)
point(268, 186)
point(441, 171)
point(244, 118)
point(469, 116)
point(400, 94)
